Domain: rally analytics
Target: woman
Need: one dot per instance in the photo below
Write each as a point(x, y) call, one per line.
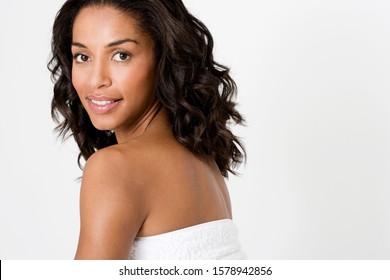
point(138, 88)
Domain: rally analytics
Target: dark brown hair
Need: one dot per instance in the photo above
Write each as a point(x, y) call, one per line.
point(196, 91)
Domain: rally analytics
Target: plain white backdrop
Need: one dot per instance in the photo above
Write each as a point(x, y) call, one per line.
point(314, 85)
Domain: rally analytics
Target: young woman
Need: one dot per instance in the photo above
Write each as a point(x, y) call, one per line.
point(138, 88)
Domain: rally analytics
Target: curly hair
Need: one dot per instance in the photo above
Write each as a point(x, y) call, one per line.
point(196, 91)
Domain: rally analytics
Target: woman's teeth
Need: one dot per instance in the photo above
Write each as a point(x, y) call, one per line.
point(101, 103)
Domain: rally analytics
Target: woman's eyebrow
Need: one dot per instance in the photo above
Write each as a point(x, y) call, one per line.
point(112, 44)
point(77, 44)
point(122, 41)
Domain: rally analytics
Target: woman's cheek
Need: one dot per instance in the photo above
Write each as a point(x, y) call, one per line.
point(76, 81)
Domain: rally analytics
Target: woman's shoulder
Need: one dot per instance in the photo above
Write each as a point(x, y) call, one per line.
point(121, 163)
point(107, 162)
point(136, 162)
point(112, 205)
point(107, 173)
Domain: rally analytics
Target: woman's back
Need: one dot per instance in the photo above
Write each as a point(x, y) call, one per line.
point(181, 190)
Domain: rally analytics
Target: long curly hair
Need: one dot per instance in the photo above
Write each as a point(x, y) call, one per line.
point(196, 91)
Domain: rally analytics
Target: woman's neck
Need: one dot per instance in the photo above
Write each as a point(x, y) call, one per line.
point(142, 125)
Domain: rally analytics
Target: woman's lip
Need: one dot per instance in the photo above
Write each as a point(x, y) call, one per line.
point(102, 106)
point(101, 98)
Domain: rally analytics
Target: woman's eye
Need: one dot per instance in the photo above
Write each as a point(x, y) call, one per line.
point(121, 57)
point(80, 58)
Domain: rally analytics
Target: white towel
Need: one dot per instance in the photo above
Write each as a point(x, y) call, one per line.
point(216, 240)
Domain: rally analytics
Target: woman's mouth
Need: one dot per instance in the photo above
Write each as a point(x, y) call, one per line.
point(102, 106)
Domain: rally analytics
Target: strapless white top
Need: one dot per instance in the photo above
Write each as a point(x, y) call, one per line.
point(216, 240)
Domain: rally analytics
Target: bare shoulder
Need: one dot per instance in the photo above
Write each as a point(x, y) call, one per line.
point(104, 174)
point(105, 163)
point(116, 173)
point(112, 206)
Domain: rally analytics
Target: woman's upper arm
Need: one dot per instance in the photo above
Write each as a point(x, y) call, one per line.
point(111, 209)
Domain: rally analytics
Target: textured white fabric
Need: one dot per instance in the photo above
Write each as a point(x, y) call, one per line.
point(208, 241)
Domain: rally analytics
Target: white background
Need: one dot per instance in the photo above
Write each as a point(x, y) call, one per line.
point(314, 85)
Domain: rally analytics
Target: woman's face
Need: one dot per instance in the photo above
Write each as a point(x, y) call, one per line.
point(113, 68)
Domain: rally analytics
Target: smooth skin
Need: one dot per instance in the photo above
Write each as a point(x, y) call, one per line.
point(148, 183)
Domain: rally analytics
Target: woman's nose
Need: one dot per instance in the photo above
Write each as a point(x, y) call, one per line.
point(100, 75)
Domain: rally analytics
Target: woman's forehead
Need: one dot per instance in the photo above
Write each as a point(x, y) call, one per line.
point(106, 24)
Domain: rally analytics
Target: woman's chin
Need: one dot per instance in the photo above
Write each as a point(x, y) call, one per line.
point(102, 126)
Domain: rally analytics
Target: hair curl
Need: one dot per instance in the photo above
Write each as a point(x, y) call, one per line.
point(196, 91)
